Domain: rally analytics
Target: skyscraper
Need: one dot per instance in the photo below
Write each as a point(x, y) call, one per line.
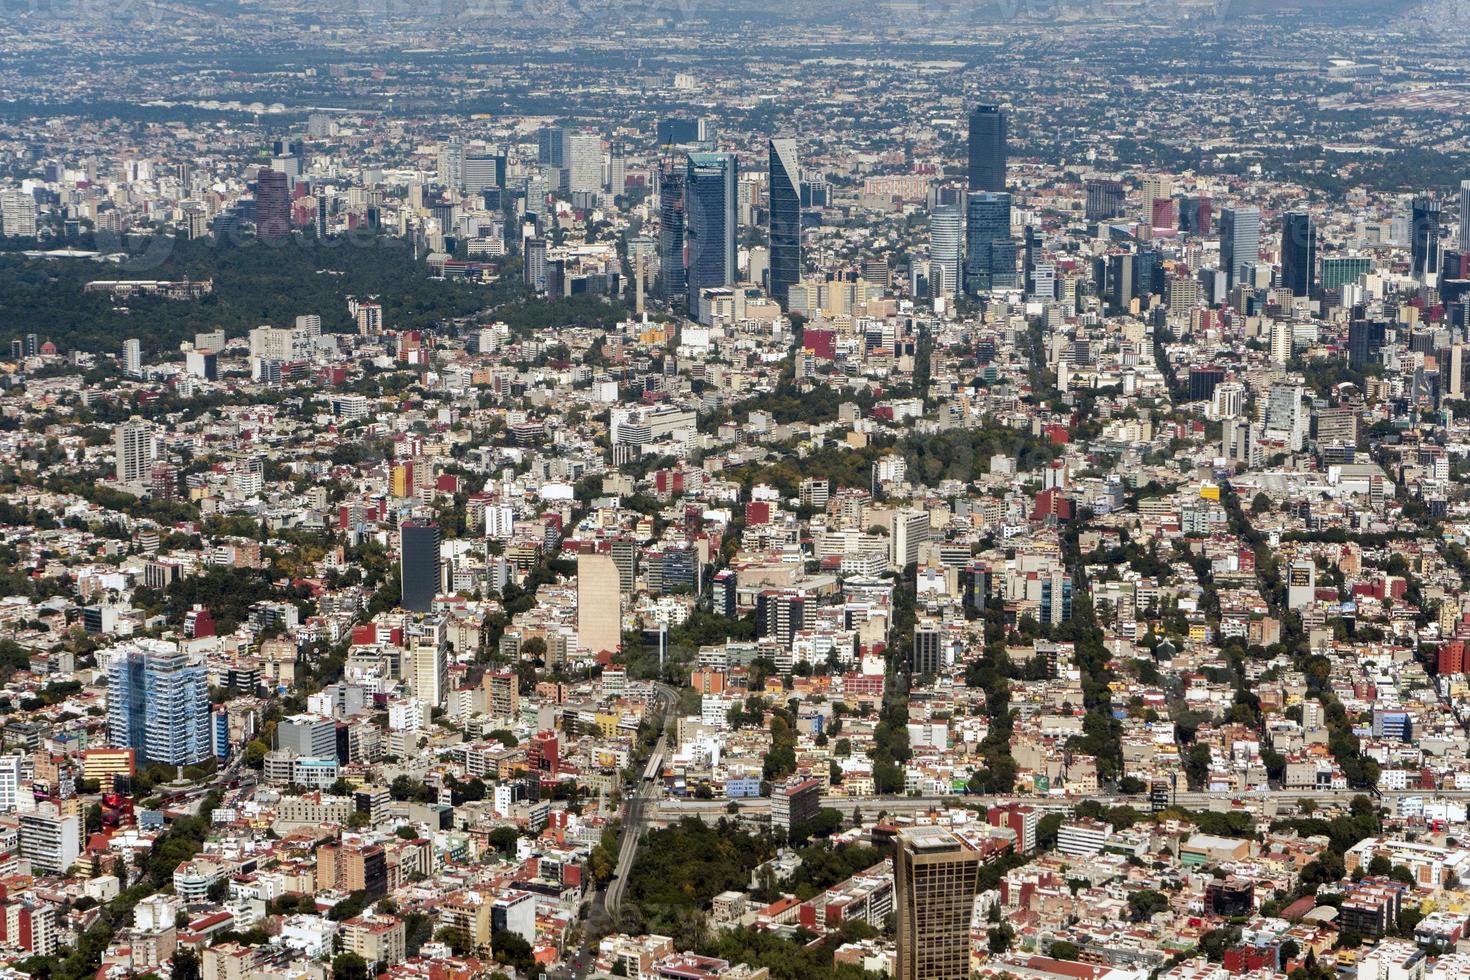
point(133, 357)
point(551, 146)
point(451, 164)
point(1299, 253)
point(990, 252)
point(599, 603)
point(418, 545)
point(936, 875)
point(1465, 216)
point(944, 250)
point(988, 149)
point(132, 442)
point(18, 214)
point(785, 210)
point(272, 204)
point(710, 222)
point(1105, 198)
point(584, 162)
point(1240, 241)
point(158, 704)
point(1424, 247)
point(672, 284)
point(483, 172)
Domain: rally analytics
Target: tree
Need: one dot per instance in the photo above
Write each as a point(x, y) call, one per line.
point(186, 964)
point(348, 966)
point(1260, 504)
point(1063, 950)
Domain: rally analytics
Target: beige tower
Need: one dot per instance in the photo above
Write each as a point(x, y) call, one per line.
point(937, 875)
point(599, 603)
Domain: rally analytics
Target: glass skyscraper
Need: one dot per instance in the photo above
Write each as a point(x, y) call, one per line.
point(785, 207)
point(944, 250)
point(672, 284)
point(1298, 253)
point(710, 223)
point(990, 252)
point(1425, 247)
point(158, 704)
point(988, 149)
point(418, 542)
point(1240, 241)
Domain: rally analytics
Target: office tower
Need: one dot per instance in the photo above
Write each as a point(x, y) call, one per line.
point(483, 172)
point(1118, 280)
point(672, 284)
point(451, 164)
point(533, 268)
point(1156, 187)
point(1365, 340)
point(49, 841)
point(18, 214)
point(418, 547)
point(990, 253)
point(710, 223)
point(785, 212)
point(272, 204)
point(936, 877)
point(158, 704)
point(944, 251)
point(428, 663)
point(132, 357)
point(928, 647)
point(1282, 341)
point(1203, 381)
point(1465, 216)
point(132, 443)
point(1105, 198)
point(551, 147)
point(1286, 420)
point(308, 735)
point(1195, 214)
point(1424, 247)
point(1240, 242)
point(584, 163)
point(988, 149)
point(599, 603)
point(1299, 253)
point(1340, 270)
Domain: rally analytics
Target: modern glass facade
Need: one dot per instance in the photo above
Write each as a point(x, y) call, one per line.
point(785, 209)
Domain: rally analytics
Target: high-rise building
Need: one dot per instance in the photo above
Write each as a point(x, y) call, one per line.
point(551, 142)
point(988, 149)
point(50, 841)
point(1240, 242)
point(1465, 216)
point(483, 172)
point(1299, 253)
point(272, 204)
point(944, 250)
point(672, 283)
point(1156, 187)
point(785, 216)
point(599, 603)
point(158, 704)
point(928, 647)
point(308, 735)
point(533, 268)
point(18, 214)
point(418, 545)
point(132, 442)
point(1285, 418)
point(1424, 246)
point(132, 357)
point(427, 663)
point(710, 222)
point(990, 252)
point(1105, 198)
point(451, 164)
point(936, 876)
point(584, 162)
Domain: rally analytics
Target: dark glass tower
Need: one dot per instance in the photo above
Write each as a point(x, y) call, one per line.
point(1299, 253)
point(1425, 247)
point(418, 542)
point(710, 223)
point(785, 218)
point(272, 204)
point(672, 284)
point(990, 253)
point(988, 149)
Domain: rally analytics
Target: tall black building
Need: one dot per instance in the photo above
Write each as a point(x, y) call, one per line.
point(1365, 339)
point(1106, 198)
point(1424, 248)
point(418, 549)
point(1299, 253)
point(785, 208)
point(988, 149)
point(671, 281)
point(272, 204)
